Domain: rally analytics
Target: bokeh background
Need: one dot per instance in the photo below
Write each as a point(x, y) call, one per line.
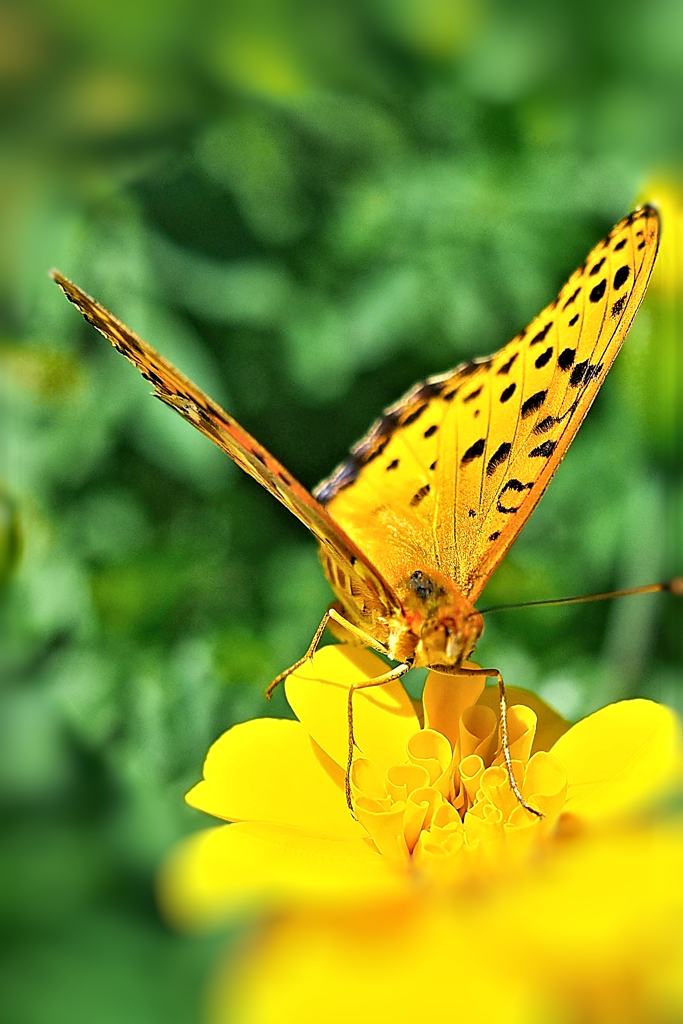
point(307, 206)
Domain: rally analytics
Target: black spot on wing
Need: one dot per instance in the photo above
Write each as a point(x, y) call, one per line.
point(544, 426)
point(468, 369)
point(495, 535)
point(475, 451)
point(498, 457)
point(566, 358)
point(534, 403)
point(515, 486)
point(428, 389)
point(437, 386)
point(621, 277)
point(571, 299)
point(619, 305)
point(414, 415)
point(505, 368)
point(599, 290)
point(574, 320)
point(538, 338)
point(620, 245)
point(596, 269)
point(543, 359)
point(374, 453)
point(473, 395)
point(430, 431)
point(544, 451)
point(393, 464)
point(508, 393)
point(433, 465)
point(419, 495)
point(472, 513)
point(642, 244)
point(375, 441)
point(578, 373)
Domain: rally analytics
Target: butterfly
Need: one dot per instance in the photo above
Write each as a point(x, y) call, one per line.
point(413, 523)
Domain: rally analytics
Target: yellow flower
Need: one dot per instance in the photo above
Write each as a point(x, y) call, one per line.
point(444, 896)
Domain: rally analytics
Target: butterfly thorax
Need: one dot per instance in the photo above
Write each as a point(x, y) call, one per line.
point(437, 625)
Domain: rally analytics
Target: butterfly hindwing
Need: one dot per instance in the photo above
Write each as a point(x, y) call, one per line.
point(452, 472)
point(354, 574)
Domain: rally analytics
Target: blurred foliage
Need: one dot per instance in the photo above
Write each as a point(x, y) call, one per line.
point(308, 207)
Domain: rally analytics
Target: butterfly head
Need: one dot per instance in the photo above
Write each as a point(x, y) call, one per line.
point(445, 624)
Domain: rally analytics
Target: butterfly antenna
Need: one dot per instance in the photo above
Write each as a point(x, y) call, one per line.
point(674, 586)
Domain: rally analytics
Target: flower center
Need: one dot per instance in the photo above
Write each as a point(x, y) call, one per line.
point(450, 808)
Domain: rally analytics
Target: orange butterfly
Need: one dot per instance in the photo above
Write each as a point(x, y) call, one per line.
point(412, 525)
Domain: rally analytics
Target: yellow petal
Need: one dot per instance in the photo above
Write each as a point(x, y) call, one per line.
point(218, 872)
point(545, 784)
point(396, 967)
point(620, 756)
point(402, 779)
point(385, 828)
point(471, 770)
point(269, 769)
point(420, 809)
point(445, 697)
point(550, 725)
point(601, 919)
point(384, 716)
point(367, 780)
point(477, 730)
point(521, 731)
point(545, 788)
point(433, 751)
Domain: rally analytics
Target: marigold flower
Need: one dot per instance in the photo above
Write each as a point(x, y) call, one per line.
point(442, 886)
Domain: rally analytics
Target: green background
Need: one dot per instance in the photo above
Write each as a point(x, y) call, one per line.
point(308, 207)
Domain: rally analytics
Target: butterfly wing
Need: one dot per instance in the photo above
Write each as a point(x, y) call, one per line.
point(448, 477)
point(353, 572)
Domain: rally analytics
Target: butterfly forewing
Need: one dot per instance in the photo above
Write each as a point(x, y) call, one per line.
point(352, 571)
point(559, 372)
point(449, 476)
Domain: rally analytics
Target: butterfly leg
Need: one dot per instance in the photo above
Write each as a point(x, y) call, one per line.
point(386, 677)
point(335, 616)
point(504, 734)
